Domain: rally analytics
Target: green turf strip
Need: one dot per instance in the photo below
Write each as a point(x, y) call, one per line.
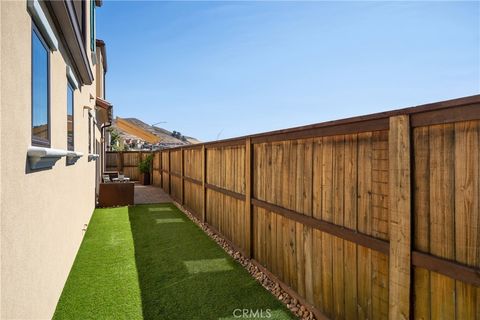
point(152, 262)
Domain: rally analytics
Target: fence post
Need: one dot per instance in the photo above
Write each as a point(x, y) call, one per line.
point(182, 174)
point(248, 196)
point(400, 217)
point(162, 172)
point(204, 178)
point(169, 175)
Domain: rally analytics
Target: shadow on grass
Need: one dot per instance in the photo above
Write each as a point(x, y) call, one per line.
point(183, 274)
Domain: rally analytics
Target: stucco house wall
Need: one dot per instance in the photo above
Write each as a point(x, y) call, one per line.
point(42, 213)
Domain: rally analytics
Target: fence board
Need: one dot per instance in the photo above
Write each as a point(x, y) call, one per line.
point(467, 219)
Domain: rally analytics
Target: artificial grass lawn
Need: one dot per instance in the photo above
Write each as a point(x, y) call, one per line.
point(152, 262)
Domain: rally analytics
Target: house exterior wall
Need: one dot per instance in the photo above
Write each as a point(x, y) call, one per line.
point(42, 213)
point(99, 74)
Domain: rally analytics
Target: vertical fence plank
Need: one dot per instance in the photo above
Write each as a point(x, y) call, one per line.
point(120, 161)
point(350, 221)
point(169, 172)
point(248, 197)
point(160, 164)
point(421, 213)
point(338, 180)
point(467, 232)
point(327, 215)
point(379, 223)
point(400, 215)
point(364, 225)
point(442, 219)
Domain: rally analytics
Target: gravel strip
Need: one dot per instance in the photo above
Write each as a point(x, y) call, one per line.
point(274, 287)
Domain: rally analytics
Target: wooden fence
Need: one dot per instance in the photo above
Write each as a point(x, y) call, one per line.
point(371, 217)
point(127, 162)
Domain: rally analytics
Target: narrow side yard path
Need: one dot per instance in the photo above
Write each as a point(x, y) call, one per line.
point(150, 194)
point(152, 262)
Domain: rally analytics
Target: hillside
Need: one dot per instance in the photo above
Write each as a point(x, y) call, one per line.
point(136, 129)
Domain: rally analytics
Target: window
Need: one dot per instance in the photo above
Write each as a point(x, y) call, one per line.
point(40, 91)
point(70, 117)
point(94, 140)
point(89, 133)
point(92, 25)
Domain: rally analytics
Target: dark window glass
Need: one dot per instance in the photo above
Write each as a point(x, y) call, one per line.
point(94, 140)
point(89, 133)
point(92, 25)
point(40, 89)
point(70, 117)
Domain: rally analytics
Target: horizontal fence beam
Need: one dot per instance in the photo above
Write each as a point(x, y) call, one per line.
point(188, 179)
point(330, 228)
point(464, 113)
point(178, 175)
point(192, 146)
point(230, 193)
point(446, 267)
point(359, 127)
point(183, 177)
point(225, 143)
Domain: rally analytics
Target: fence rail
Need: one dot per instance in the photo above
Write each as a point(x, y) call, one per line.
point(369, 217)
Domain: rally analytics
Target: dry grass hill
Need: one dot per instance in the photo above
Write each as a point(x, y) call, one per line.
point(133, 128)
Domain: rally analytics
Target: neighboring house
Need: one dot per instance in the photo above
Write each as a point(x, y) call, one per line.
point(53, 116)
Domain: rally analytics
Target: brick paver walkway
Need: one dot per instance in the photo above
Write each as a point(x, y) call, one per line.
point(150, 194)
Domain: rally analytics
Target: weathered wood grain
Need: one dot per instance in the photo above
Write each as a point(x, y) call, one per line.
point(421, 209)
point(442, 223)
point(400, 215)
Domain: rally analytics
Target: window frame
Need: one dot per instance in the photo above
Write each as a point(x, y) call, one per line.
point(35, 141)
point(71, 87)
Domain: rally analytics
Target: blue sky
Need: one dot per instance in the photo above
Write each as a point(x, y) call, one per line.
point(225, 69)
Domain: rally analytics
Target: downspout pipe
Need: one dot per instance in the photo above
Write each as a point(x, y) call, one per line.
point(102, 133)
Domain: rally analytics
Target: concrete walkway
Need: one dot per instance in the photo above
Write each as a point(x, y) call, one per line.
point(150, 194)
